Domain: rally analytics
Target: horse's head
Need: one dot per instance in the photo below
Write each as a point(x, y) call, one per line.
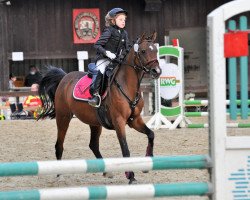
point(146, 56)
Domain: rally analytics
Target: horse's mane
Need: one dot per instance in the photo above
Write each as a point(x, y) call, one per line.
point(120, 60)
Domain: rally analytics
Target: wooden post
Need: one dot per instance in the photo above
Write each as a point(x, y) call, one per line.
point(4, 65)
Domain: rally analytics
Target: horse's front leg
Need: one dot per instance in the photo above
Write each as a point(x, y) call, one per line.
point(94, 145)
point(120, 131)
point(139, 125)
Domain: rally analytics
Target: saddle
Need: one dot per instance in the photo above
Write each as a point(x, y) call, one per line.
point(81, 92)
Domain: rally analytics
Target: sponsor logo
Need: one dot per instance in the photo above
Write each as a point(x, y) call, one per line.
point(168, 81)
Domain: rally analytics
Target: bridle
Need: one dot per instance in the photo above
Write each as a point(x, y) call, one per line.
point(144, 68)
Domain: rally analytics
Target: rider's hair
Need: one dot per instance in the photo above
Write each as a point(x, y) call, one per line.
point(108, 20)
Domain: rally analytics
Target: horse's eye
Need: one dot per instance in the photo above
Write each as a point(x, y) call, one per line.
point(143, 51)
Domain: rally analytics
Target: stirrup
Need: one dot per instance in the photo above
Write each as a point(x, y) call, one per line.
point(96, 105)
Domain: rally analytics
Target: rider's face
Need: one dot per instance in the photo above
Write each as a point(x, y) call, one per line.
point(120, 20)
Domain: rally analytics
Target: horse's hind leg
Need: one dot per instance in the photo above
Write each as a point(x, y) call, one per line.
point(62, 121)
point(95, 132)
point(139, 125)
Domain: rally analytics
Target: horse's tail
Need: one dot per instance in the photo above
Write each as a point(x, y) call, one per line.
point(47, 90)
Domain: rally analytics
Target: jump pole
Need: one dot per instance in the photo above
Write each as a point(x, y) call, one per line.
point(205, 102)
point(108, 165)
point(104, 165)
point(112, 192)
point(229, 125)
point(202, 114)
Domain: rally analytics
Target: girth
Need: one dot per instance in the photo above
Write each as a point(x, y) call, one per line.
point(102, 116)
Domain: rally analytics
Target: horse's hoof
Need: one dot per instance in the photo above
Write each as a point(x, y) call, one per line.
point(60, 178)
point(108, 175)
point(145, 171)
point(132, 181)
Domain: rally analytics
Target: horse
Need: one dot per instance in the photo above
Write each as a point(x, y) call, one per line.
point(123, 102)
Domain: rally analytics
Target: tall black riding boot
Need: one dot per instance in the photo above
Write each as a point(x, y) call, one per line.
point(94, 90)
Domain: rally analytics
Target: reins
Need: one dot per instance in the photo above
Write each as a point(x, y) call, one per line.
point(141, 68)
point(137, 98)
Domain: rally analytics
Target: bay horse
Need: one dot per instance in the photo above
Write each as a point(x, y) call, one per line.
point(123, 100)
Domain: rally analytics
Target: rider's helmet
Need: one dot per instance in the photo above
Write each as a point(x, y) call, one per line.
point(115, 11)
point(112, 14)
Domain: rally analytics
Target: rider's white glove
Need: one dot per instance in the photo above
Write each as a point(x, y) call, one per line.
point(110, 55)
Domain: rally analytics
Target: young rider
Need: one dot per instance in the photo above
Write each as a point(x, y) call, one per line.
point(111, 43)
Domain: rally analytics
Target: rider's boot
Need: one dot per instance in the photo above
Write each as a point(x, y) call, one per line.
point(94, 90)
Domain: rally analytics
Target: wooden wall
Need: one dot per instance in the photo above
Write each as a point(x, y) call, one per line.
point(43, 29)
point(4, 70)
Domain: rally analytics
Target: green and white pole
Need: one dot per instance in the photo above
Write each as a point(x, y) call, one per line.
point(112, 192)
point(104, 165)
point(228, 125)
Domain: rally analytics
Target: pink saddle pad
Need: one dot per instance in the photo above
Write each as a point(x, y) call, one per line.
point(81, 89)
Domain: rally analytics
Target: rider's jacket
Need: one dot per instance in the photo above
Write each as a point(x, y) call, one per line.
point(112, 39)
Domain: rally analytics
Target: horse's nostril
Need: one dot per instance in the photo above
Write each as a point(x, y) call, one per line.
point(156, 71)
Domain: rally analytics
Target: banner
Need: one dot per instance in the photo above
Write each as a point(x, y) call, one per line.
point(86, 25)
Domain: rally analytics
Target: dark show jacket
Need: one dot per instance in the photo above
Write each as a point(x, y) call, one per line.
point(112, 39)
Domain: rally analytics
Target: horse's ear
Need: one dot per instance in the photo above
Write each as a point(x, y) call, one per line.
point(142, 37)
point(153, 36)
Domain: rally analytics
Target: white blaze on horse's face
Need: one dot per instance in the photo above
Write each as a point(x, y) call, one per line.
point(136, 47)
point(151, 47)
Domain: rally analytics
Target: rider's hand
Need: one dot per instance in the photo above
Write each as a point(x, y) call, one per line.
point(110, 55)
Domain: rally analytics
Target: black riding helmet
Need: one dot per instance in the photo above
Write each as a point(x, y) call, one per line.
point(116, 11)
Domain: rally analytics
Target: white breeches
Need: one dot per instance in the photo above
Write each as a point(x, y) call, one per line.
point(102, 64)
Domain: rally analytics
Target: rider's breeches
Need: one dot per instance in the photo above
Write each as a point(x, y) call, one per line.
point(102, 64)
